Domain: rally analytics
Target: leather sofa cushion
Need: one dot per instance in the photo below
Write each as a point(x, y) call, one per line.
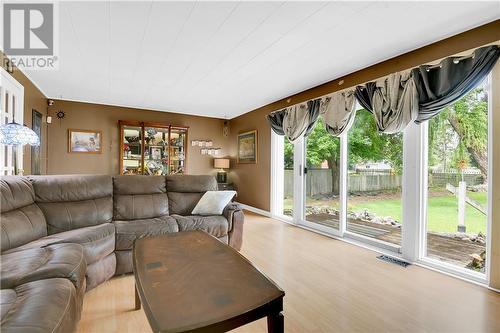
point(21, 220)
point(138, 184)
point(55, 261)
point(140, 206)
point(139, 197)
point(71, 187)
point(124, 263)
point(22, 225)
point(191, 183)
point(128, 231)
point(216, 225)
point(49, 305)
point(183, 203)
point(75, 201)
point(64, 216)
point(16, 192)
point(184, 192)
point(101, 271)
point(97, 241)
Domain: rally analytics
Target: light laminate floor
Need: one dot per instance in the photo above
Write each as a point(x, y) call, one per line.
point(330, 286)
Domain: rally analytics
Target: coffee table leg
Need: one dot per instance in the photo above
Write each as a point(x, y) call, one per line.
point(275, 323)
point(137, 299)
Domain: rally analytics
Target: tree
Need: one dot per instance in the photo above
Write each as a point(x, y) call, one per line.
point(469, 119)
point(322, 146)
point(460, 132)
point(365, 144)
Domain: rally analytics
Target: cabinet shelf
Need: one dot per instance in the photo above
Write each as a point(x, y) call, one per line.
point(156, 146)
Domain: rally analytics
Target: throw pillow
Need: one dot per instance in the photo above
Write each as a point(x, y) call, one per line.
point(213, 202)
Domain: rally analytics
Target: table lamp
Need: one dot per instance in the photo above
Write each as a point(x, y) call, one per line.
point(221, 164)
point(15, 135)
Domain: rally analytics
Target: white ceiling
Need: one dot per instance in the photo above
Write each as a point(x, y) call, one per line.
point(223, 59)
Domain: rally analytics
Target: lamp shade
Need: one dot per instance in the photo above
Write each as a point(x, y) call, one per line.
point(16, 134)
point(221, 163)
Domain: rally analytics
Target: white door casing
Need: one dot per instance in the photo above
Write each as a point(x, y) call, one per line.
point(11, 108)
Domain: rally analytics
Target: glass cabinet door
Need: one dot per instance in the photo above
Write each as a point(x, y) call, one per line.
point(178, 139)
point(132, 150)
point(156, 151)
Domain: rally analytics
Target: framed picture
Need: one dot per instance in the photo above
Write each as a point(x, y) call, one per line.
point(36, 126)
point(84, 142)
point(247, 147)
point(156, 153)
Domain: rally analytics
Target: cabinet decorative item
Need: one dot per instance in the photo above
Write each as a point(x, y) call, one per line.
point(152, 148)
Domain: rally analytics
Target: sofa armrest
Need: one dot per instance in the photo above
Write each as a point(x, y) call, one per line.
point(234, 215)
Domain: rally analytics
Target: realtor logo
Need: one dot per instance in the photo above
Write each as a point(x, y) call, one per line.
point(29, 35)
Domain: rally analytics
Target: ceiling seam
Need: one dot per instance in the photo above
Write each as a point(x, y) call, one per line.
point(139, 52)
point(207, 43)
point(154, 84)
point(239, 44)
point(280, 38)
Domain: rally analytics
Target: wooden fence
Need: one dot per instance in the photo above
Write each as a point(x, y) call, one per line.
point(319, 181)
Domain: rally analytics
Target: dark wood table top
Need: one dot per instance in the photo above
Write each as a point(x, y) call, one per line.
point(190, 281)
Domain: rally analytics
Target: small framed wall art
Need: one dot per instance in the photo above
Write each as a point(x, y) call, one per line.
point(247, 147)
point(84, 141)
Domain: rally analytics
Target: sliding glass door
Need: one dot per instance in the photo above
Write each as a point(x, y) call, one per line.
point(288, 178)
point(322, 178)
point(421, 194)
point(375, 167)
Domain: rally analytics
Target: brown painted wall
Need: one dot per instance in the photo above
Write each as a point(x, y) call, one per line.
point(254, 181)
point(34, 99)
point(105, 118)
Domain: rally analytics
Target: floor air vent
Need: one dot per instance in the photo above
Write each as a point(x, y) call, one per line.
point(394, 261)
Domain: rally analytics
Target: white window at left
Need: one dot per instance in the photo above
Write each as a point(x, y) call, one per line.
point(11, 109)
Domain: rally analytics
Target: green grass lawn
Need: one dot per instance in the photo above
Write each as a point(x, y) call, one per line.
point(441, 210)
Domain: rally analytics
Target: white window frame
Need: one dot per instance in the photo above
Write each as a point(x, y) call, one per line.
point(11, 92)
point(422, 259)
point(277, 177)
point(414, 198)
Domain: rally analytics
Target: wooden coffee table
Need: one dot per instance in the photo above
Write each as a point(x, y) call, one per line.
point(191, 282)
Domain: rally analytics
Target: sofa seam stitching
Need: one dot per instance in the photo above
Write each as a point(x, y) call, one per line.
point(29, 220)
point(60, 319)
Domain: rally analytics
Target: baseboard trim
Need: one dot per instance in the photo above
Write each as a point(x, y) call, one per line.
point(255, 210)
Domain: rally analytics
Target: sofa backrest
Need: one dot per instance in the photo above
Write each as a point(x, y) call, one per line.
point(74, 201)
point(184, 191)
point(139, 197)
point(21, 219)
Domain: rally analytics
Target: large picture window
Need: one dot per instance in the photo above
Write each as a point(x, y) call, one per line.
point(456, 227)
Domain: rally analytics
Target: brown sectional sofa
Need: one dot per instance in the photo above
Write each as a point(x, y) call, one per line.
point(64, 235)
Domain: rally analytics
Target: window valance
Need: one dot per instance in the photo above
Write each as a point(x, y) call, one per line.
point(441, 85)
point(396, 100)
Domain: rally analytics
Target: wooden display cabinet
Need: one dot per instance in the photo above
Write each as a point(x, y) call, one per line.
point(152, 148)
